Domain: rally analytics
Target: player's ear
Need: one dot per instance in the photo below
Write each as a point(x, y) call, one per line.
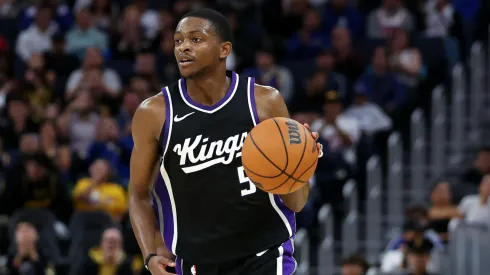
point(226, 48)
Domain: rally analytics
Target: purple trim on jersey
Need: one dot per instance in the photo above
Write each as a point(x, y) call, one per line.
point(288, 261)
point(183, 86)
point(252, 100)
point(290, 216)
point(166, 125)
point(178, 266)
point(168, 216)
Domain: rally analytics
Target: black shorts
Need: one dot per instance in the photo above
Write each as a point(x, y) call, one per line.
point(275, 261)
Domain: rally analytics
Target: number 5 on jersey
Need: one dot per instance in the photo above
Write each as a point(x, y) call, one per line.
point(250, 188)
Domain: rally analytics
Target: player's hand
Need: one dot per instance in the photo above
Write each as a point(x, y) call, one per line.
point(315, 136)
point(157, 265)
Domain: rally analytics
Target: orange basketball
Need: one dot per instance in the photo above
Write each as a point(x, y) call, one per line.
point(279, 155)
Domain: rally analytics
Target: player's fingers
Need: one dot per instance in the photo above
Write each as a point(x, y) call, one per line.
point(166, 262)
point(307, 127)
point(315, 135)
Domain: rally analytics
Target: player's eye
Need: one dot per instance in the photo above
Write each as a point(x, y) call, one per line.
point(177, 41)
point(197, 39)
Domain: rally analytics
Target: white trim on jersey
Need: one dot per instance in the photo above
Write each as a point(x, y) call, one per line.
point(166, 179)
point(279, 260)
point(169, 119)
point(271, 196)
point(249, 97)
point(213, 110)
point(160, 211)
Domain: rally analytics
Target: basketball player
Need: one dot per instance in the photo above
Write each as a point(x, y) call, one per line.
point(210, 215)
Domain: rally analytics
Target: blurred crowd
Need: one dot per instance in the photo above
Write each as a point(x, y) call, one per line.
point(72, 74)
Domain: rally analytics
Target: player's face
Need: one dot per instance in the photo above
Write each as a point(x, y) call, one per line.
point(197, 46)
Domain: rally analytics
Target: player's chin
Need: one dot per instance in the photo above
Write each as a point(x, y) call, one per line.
point(187, 71)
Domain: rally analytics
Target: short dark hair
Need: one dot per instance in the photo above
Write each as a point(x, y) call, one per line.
point(356, 260)
point(217, 19)
point(484, 149)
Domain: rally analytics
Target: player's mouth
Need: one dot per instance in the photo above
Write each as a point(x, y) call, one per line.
point(185, 61)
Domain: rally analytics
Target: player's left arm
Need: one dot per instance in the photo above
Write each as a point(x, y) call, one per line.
point(270, 104)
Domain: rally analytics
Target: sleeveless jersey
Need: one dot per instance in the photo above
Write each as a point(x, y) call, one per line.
point(207, 209)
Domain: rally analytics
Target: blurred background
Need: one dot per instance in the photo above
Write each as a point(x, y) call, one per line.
point(397, 89)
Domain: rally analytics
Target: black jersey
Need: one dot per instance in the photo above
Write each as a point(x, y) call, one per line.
point(207, 209)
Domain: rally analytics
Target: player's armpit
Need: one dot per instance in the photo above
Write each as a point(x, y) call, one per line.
point(270, 104)
point(146, 127)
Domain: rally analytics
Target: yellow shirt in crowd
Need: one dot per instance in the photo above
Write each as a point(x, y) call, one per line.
point(111, 198)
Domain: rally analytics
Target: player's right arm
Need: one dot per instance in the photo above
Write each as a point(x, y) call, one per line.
point(146, 127)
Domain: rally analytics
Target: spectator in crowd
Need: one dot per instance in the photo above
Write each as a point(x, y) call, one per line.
point(246, 39)
point(442, 210)
point(109, 258)
point(150, 18)
point(85, 35)
point(145, 67)
point(354, 265)
point(268, 73)
point(59, 61)
point(69, 165)
point(348, 60)
point(342, 13)
point(27, 258)
point(391, 15)
point(371, 118)
point(88, 77)
point(16, 121)
point(379, 85)
point(167, 69)
point(105, 14)
point(78, 122)
point(37, 38)
point(14, 159)
point(38, 84)
point(310, 100)
point(406, 61)
point(8, 9)
point(481, 166)
point(131, 101)
point(129, 39)
point(476, 208)
point(99, 193)
point(48, 138)
point(341, 132)
point(441, 19)
point(62, 19)
point(38, 186)
point(309, 40)
point(112, 146)
point(418, 258)
point(414, 236)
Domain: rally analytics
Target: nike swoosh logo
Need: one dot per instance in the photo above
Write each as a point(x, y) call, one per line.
point(177, 118)
point(261, 253)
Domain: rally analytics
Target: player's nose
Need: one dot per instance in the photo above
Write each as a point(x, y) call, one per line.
point(185, 46)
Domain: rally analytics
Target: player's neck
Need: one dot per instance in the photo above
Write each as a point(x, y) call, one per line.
point(208, 89)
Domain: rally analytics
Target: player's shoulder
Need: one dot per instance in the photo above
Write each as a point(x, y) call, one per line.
point(150, 114)
point(266, 94)
point(151, 105)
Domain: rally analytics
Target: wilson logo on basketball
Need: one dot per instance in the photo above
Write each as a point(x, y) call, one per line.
point(199, 150)
point(294, 134)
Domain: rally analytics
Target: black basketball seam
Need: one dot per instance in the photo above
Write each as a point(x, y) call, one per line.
point(297, 166)
point(283, 143)
point(307, 169)
point(262, 153)
point(316, 160)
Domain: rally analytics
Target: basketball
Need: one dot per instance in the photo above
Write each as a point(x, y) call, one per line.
point(279, 155)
